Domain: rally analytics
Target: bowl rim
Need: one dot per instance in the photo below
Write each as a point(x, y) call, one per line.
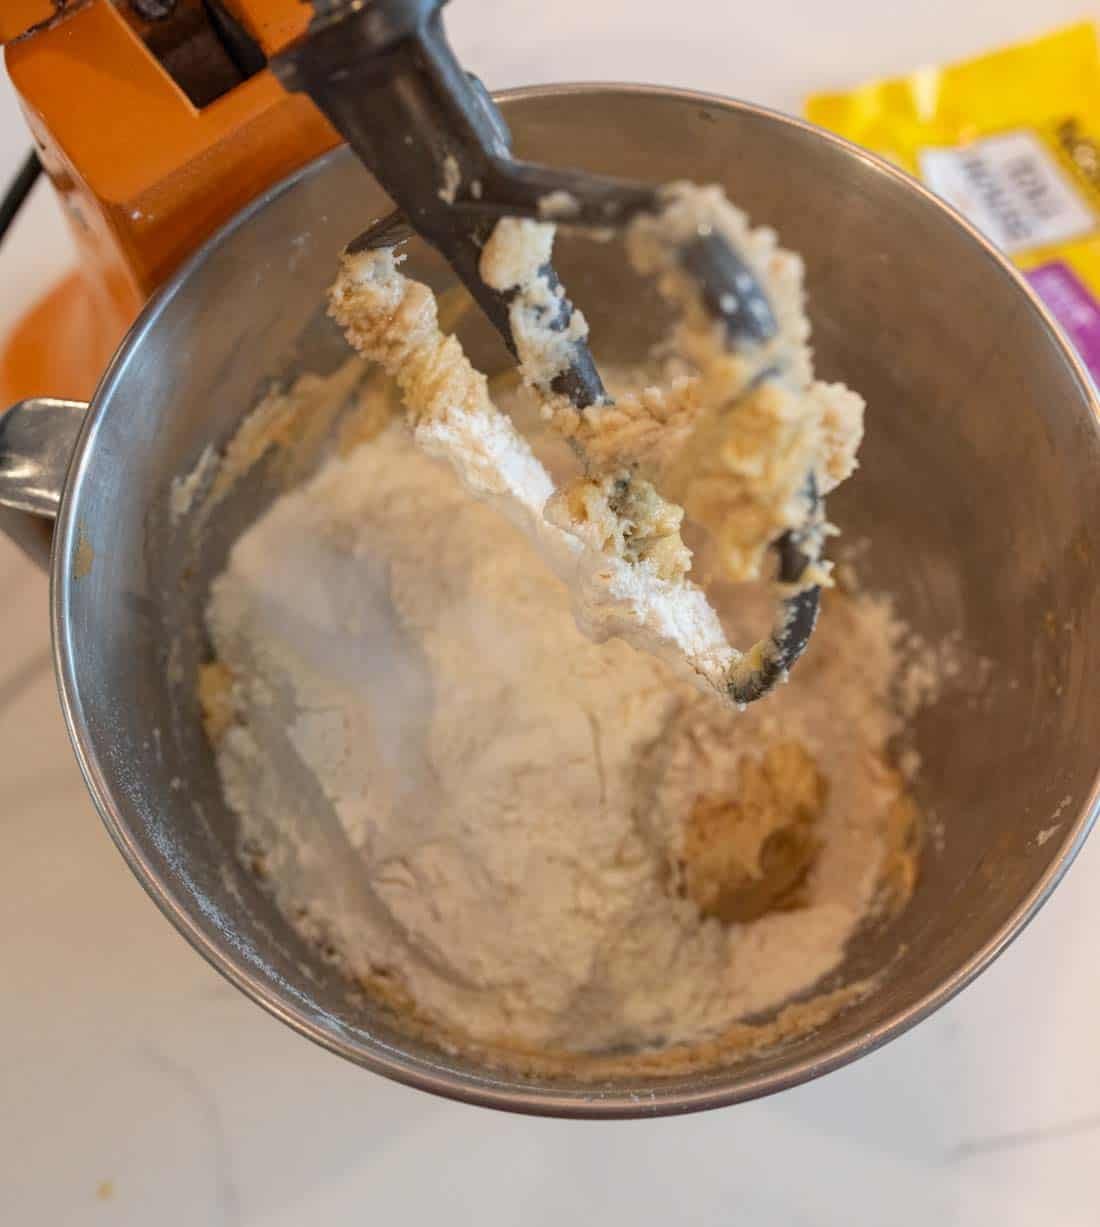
point(494, 1088)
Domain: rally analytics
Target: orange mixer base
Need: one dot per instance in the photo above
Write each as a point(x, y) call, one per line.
point(153, 136)
point(61, 346)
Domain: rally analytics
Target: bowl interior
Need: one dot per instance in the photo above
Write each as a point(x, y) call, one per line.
point(977, 495)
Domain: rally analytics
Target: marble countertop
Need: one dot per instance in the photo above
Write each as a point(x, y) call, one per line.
point(137, 1087)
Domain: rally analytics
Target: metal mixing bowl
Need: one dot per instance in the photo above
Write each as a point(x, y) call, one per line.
point(978, 494)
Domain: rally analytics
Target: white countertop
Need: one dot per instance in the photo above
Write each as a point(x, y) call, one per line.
point(136, 1087)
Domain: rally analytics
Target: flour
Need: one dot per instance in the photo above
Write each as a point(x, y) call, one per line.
point(452, 791)
point(450, 767)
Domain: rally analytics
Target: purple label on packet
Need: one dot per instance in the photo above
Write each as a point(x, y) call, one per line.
point(1072, 306)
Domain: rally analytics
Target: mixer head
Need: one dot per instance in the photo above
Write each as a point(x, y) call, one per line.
point(384, 74)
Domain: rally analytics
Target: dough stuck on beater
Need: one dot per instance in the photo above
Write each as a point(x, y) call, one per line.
point(728, 446)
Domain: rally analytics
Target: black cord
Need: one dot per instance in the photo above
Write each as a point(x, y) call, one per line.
point(18, 191)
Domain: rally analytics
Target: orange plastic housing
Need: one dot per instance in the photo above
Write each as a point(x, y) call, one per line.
point(143, 174)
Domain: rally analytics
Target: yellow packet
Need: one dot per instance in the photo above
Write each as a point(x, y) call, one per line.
point(1012, 140)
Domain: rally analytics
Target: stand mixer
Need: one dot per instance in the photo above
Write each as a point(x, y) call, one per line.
point(978, 499)
point(190, 108)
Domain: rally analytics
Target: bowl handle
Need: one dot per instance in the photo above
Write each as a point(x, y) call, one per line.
point(37, 438)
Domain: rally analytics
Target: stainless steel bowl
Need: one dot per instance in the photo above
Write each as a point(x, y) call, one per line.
point(978, 493)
